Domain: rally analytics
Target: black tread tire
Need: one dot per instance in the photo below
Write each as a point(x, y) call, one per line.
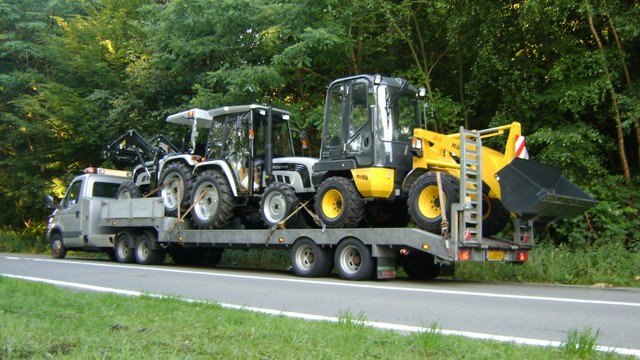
point(278, 201)
point(338, 203)
point(124, 247)
point(495, 216)
point(353, 260)
point(170, 190)
point(128, 190)
point(384, 215)
point(310, 260)
point(58, 250)
point(215, 209)
point(419, 265)
point(424, 200)
point(145, 254)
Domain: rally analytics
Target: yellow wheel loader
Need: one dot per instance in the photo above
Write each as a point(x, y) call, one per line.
point(379, 167)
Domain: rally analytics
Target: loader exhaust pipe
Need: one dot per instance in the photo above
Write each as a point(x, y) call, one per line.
point(540, 192)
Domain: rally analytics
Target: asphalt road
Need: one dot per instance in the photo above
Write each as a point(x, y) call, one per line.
point(534, 313)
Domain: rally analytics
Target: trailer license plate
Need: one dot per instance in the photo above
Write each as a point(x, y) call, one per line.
point(495, 255)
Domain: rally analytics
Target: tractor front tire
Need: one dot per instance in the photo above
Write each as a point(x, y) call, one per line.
point(278, 202)
point(338, 203)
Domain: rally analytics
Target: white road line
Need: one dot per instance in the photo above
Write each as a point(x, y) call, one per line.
point(388, 287)
point(375, 324)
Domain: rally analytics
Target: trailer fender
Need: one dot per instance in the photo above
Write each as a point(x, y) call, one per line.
point(411, 177)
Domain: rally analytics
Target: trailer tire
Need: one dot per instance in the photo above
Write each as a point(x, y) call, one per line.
point(124, 247)
point(338, 203)
point(310, 260)
point(128, 190)
point(277, 203)
point(419, 265)
point(176, 181)
point(353, 260)
point(214, 206)
point(145, 254)
point(424, 203)
point(58, 250)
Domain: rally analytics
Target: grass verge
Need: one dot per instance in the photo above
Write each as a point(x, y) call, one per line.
point(42, 321)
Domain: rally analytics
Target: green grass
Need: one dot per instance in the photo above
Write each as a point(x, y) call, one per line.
point(41, 321)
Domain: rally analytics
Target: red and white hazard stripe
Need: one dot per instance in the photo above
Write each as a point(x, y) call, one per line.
point(521, 148)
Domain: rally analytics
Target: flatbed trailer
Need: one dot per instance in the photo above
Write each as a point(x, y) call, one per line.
point(356, 253)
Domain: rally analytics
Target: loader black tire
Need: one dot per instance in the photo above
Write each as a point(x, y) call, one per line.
point(277, 203)
point(128, 190)
point(213, 201)
point(338, 203)
point(176, 181)
point(424, 203)
point(494, 216)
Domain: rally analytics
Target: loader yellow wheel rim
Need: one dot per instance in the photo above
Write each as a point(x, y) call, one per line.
point(332, 203)
point(429, 202)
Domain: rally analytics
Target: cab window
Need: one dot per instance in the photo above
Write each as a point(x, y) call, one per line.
point(72, 195)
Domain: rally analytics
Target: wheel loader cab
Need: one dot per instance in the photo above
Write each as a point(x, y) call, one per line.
point(368, 122)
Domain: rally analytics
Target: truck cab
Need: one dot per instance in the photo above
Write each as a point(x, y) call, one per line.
point(74, 223)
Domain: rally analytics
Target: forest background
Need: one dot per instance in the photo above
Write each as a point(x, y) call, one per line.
point(74, 74)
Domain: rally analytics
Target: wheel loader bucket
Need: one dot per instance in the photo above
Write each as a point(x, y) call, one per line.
point(540, 192)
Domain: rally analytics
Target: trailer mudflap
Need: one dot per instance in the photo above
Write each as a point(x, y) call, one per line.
point(540, 192)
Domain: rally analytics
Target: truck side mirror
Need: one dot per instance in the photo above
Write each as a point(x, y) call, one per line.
point(50, 202)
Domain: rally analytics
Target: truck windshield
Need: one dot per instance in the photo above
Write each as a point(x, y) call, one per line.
point(398, 122)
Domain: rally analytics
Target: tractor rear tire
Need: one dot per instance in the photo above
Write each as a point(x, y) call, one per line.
point(338, 203)
point(425, 205)
point(213, 201)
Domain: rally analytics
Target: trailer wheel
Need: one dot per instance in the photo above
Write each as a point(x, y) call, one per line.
point(353, 260)
point(419, 265)
point(176, 181)
point(214, 207)
point(145, 255)
point(124, 247)
point(58, 250)
point(425, 205)
point(310, 260)
point(338, 203)
point(128, 190)
point(278, 202)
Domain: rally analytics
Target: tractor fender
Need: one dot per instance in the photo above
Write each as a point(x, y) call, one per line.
point(223, 167)
point(411, 177)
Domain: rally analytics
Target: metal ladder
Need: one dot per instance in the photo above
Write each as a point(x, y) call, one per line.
point(471, 185)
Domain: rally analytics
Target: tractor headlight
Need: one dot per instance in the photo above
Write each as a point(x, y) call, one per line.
point(416, 146)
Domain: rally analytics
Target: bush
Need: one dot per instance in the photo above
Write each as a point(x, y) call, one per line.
point(30, 240)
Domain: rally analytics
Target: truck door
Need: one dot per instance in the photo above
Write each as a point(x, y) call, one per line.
point(70, 214)
point(349, 132)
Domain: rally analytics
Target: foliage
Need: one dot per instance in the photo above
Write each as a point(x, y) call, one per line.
point(74, 75)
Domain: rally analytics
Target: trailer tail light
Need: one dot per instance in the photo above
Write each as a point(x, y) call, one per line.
point(525, 238)
point(522, 256)
point(404, 251)
point(464, 255)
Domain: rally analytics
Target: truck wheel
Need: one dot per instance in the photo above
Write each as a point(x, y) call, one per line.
point(425, 205)
point(58, 250)
point(124, 247)
point(419, 265)
point(128, 190)
point(310, 260)
point(176, 182)
point(214, 207)
point(278, 202)
point(145, 255)
point(338, 203)
point(353, 260)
